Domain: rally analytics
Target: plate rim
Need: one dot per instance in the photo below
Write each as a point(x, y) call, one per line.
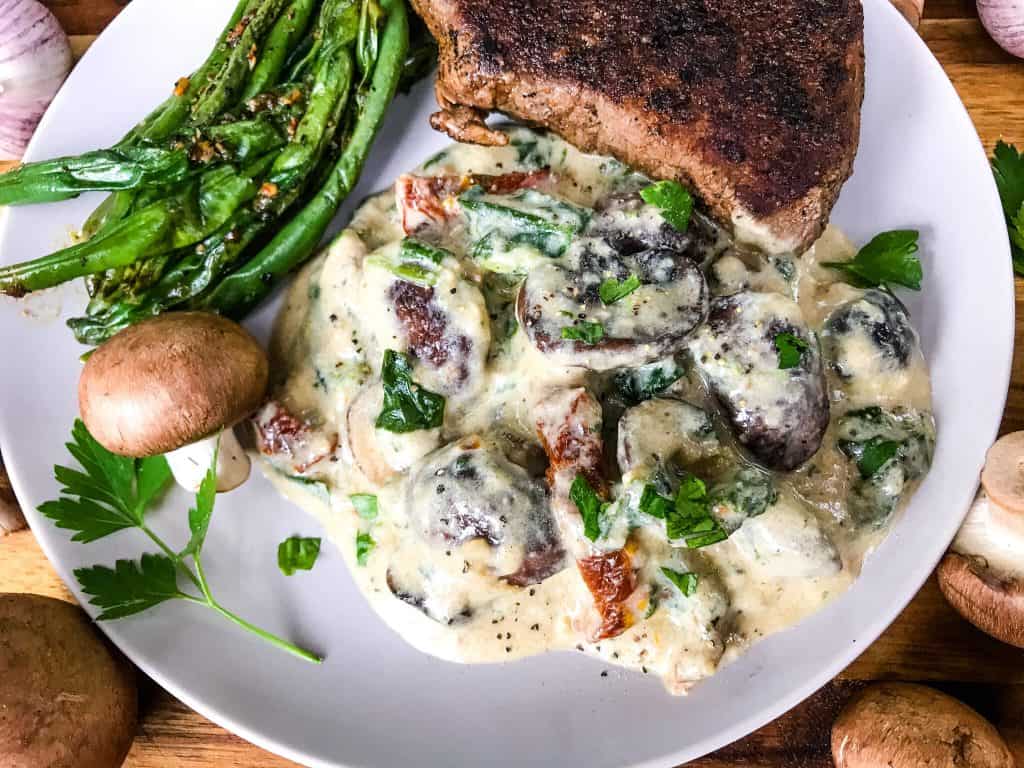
point(882, 619)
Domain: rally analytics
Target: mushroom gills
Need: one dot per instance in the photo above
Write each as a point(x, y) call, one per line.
point(778, 414)
point(189, 464)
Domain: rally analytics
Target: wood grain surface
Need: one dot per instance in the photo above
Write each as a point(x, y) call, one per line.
point(928, 642)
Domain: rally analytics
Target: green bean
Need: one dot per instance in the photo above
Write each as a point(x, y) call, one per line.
point(120, 246)
point(223, 90)
point(240, 291)
point(289, 29)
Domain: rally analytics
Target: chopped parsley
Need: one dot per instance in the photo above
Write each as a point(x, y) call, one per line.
point(364, 546)
point(407, 406)
point(889, 259)
point(365, 505)
point(612, 290)
point(686, 582)
point(791, 350)
point(297, 554)
point(586, 332)
point(590, 506)
point(653, 503)
point(1008, 168)
point(690, 519)
point(673, 200)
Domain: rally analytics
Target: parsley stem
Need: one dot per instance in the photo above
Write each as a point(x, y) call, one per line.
point(284, 645)
point(175, 558)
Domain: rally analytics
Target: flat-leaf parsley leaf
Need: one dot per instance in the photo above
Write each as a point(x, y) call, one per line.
point(297, 554)
point(588, 333)
point(889, 258)
point(673, 200)
point(590, 506)
point(612, 290)
point(791, 350)
point(1008, 168)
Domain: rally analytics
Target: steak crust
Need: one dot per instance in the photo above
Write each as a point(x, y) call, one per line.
point(753, 103)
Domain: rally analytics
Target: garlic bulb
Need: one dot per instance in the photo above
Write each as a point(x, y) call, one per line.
point(1004, 20)
point(35, 57)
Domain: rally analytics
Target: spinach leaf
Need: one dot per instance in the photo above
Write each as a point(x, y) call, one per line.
point(407, 406)
point(635, 385)
point(588, 333)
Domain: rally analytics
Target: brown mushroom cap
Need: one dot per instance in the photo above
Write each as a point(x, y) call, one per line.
point(170, 381)
point(902, 725)
point(1003, 475)
point(993, 605)
point(68, 698)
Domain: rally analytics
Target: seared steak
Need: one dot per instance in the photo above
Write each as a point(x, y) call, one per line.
point(754, 103)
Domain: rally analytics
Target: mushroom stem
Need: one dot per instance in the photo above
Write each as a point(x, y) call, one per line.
point(190, 463)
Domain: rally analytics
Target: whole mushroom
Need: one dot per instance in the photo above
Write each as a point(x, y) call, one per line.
point(176, 384)
point(68, 698)
point(11, 519)
point(903, 725)
point(982, 576)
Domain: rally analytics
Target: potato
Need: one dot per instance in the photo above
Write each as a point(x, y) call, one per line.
point(68, 698)
point(902, 725)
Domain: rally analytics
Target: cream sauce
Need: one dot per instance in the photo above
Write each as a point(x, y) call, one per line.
point(464, 509)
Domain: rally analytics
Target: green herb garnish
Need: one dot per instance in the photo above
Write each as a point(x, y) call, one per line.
point(673, 200)
point(686, 582)
point(690, 518)
point(636, 385)
point(365, 505)
point(1008, 168)
point(114, 493)
point(407, 406)
point(653, 503)
point(611, 290)
point(890, 258)
point(870, 455)
point(588, 333)
point(590, 506)
point(791, 350)
point(364, 546)
point(297, 554)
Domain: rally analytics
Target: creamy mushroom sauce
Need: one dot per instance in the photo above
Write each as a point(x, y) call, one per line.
point(479, 554)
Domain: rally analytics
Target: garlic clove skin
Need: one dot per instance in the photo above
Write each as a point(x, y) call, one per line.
point(1004, 21)
point(35, 58)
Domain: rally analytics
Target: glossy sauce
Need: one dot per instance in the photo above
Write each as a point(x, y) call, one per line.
point(473, 546)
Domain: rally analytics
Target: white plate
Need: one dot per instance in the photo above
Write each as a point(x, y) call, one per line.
point(377, 702)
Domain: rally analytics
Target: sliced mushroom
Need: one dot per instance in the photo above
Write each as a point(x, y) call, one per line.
point(560, 308)
point(779, 414)
point(888, 450)
point(903, 725)
point(873, 349)
point(380, 454)
point(471, 490)
point(663, 429)
point(176, 385)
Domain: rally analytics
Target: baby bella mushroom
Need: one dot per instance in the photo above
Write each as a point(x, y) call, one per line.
point(982, 576)
point(176, 384)
point(903, 725)
point(68, 698)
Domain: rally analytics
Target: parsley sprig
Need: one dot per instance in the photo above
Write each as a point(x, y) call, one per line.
point(113, 493)
point(1008, 168)
point(890, 258)
point(688, 516)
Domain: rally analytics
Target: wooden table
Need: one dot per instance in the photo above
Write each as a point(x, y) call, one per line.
point(928, 642)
